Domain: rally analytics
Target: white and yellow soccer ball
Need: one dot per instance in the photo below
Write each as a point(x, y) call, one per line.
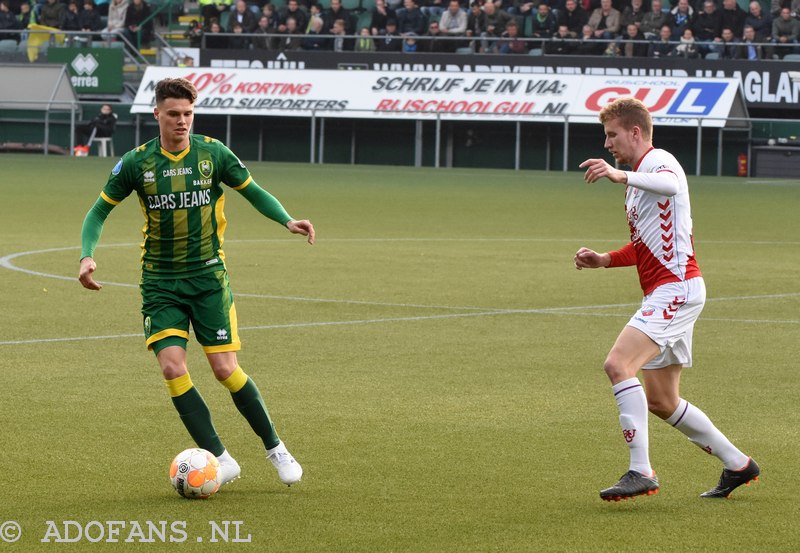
point(194, 473)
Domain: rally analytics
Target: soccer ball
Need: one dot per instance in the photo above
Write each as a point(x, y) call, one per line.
point(194, 473)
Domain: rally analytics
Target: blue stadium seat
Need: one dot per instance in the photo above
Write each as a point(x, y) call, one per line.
point(8, 46)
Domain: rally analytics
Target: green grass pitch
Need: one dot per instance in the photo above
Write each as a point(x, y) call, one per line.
point(434, 362)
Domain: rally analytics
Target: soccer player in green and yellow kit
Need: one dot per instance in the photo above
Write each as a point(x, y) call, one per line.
point(178, 178)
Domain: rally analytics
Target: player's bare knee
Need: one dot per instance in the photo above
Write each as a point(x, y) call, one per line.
point(172, 369)
point(660, 407)
point(222, 372)
point(615, 370)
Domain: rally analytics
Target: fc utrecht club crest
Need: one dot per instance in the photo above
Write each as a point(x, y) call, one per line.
point(206, 167)
point(628, 434)
point(648, 311)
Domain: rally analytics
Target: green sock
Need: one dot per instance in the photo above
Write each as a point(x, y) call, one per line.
point(250, 404)
point(197, 419)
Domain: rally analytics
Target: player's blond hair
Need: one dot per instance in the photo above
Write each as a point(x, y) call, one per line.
point(629, 112)
point(175, 88)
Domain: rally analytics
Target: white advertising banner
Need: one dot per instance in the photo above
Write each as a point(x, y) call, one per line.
point(673, 101)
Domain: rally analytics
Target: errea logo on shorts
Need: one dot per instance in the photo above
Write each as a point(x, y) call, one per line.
point(222, 335)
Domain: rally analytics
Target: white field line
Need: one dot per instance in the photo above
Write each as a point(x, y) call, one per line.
point(6, 262)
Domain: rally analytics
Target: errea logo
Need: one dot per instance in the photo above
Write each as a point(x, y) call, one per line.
point(84, 65)
point(222, 335)
point(149, 176)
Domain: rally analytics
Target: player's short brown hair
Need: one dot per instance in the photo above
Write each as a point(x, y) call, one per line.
point(630, 113)
point(175, 88)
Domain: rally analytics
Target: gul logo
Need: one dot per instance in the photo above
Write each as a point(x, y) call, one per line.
point(670, 98)
point(149, 176)
point(697, 98)
point(222, 334)
point(206, 167)
point(647, 311)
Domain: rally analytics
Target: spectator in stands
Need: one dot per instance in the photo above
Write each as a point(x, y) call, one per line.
point(760, 22)
point(727, 45)
point(334, 13)
point(589, 44)
point(242, 15)
point(453, 23)
point(194, 33)
point(523, 7)
point(687, 47)
point(101, 7)
point(138, 12)
point(574, 17)
point(654, 20)
point(293, 10)
point(213, 9)
point(433, 41)
point(313, 41)
point(212, 35)
point(263, 41)
point(102, 126)
point(633, 13)
point(543, 25)
point(116, 17)
point(339, 30)
point(292, 38)
point(749, 49)
point(663, 46)
point(273, 17)
point(52, 14)
point(682, 18)
point(562, 43)
point(380, 15)
point(432, 9)
point(733, 17)
point(510, 41)
point(25, 17)
point(634, 44)
point(71, 21)
point(785, 33)
point(605, 20)
point(708, 26)
point(496, 20)
point(238, 42)
point(89, 18)
point(365, 43)
point(477, 23)
point(7, 22)
point(410, 20)
point(389, 40)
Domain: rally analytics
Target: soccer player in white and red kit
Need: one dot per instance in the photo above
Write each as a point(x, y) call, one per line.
point(658, 337)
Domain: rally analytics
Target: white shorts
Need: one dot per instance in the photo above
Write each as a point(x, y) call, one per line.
point(667, 316)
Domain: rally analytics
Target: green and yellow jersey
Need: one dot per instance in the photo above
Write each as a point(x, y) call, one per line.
point(182, 198)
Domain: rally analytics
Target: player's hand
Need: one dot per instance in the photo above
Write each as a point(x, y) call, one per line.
point(596, 169)
point(303, 227)
point(590, 259)
point(88, 267)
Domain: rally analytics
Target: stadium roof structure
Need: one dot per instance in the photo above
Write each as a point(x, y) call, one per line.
point(37, 87)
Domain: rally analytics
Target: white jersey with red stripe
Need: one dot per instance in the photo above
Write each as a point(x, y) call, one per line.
point(659, 215)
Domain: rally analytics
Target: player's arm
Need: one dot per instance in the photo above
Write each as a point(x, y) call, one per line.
point(663, 183)
point(90, 236)
point(590, 259)
point(269, 206)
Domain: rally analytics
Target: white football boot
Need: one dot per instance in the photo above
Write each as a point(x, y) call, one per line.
point(289, 470)
point(229, 469)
